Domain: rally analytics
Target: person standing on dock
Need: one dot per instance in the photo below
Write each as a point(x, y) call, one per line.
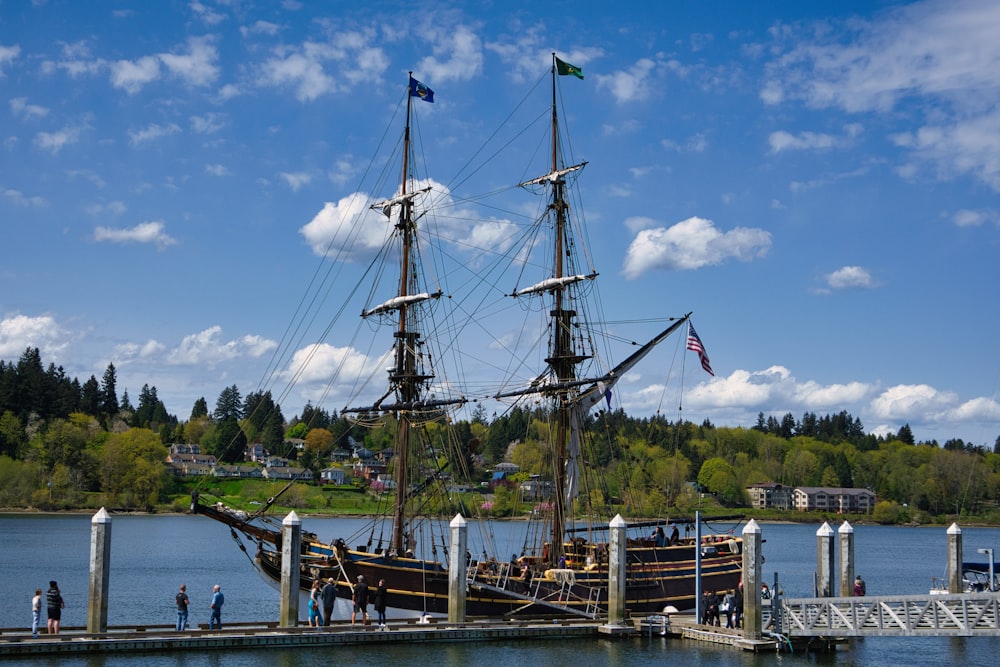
point(381, 597)
point(182, 608)
point(36, 612)
point(859, 587)
point(55, 603)
point(315, 606)
point(738, 606)
point(218, 599)
point(360, 600)
point(328, 596)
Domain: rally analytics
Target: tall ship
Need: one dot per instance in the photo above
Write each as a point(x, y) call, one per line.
point(560, 567)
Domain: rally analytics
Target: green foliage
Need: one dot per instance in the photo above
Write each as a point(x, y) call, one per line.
point(132, 470)
point(889, 512)
point(18, 480)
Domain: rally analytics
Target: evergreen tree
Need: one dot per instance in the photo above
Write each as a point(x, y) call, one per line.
point(29, 385)
point(230, 441)
point(126, 405)
point(272, 435)
point(314, 417)
point(808, 425)
point(229, 406)
point(109, 392)
point(90, 397)
point(787, 426)
point(199, 409)
point(905, 435)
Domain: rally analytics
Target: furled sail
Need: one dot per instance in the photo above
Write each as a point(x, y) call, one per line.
point(398, 302)
point(553, 283)
point(586, 400)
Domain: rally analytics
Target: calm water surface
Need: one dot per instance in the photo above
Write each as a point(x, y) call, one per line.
point(152, 556)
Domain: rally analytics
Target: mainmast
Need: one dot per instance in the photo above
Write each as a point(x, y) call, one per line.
point(564, 358)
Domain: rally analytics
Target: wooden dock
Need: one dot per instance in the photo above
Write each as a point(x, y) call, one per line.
point(149, 639)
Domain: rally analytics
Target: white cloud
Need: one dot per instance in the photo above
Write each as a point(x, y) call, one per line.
point(306, 74)
point(347, 223)
point(54, 142)
point(530, 52)
point(696, 143)
point(19, 332)
point(632, 85)
point(942, 55)
point(260, 28)
point(692, 244)
point(198, 66)
point(206, 349)
point(149, 349)
point(210, 123)
point(207, 15)
point(228, 92)
point(307, 68)
point(151, 133)
point(216, 170)
point(19, 107)
point(146, 232)
point(912, 402)
point(967, 218)
point(8, 54)
point(458, 55)
point(131, 76)
point(782, 141)
point(350, 230)
point(850, 277)
point(20, 199)
point(296, 180)
point(320, 362)
point(341, 171)
point(964, 146)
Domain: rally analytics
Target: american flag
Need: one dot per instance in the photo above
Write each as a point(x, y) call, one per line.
point(694, 343)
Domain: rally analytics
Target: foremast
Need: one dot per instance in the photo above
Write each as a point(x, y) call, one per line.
point(410, 374)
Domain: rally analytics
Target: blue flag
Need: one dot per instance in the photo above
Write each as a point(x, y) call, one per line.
point(418, 89)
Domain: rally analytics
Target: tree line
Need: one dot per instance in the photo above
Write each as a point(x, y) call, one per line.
point(62, 440)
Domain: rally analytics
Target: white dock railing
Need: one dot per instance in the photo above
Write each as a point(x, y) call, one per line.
point(962, 615)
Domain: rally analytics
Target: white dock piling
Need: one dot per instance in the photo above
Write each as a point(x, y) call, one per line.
point(954, 559)
point(845, 536)
point(752, 578)
point(457, 569)
point(616, 571)
point(100, 570)
point(824, 561)
point(291, 545)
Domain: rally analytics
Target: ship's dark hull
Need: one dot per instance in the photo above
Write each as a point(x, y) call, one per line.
point(655, 577)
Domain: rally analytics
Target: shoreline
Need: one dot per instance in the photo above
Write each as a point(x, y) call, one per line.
point(856, 521)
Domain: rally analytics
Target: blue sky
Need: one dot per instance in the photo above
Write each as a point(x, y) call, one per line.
point(817, 181)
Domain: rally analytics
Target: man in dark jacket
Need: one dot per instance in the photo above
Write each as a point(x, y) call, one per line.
point(360, 600)
point(328, 595)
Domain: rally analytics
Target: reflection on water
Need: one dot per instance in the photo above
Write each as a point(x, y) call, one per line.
point(152, 556)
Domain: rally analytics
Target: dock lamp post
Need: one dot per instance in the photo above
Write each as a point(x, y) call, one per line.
point(989, 552)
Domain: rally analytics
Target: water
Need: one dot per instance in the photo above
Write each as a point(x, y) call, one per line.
point(152, 556)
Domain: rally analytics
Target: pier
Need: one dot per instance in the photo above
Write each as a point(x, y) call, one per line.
point(768, 624)
point(152, 639)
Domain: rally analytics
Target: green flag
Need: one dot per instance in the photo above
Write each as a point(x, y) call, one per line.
point(566, 68)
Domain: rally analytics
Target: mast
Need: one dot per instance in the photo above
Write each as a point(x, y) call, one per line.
point(404, 375)
point(563, 360)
